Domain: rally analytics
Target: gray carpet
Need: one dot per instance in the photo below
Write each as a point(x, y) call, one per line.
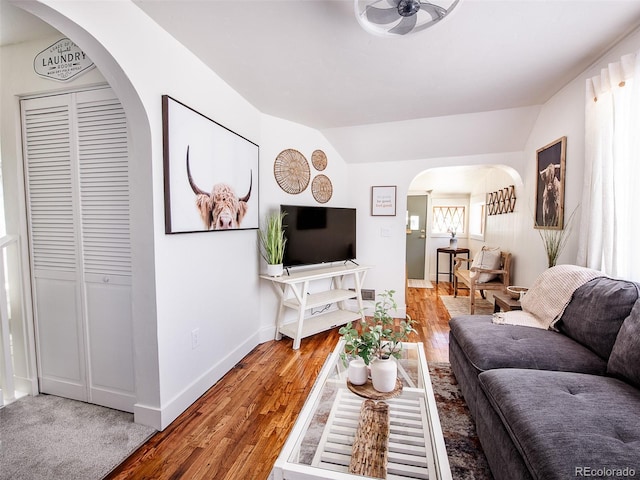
point(48, 437)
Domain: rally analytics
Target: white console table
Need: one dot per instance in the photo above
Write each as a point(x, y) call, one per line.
point(293, 292)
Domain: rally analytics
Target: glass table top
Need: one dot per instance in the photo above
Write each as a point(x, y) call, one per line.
point(320, 443)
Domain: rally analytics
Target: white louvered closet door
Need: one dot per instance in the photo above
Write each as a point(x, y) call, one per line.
point(76, 166)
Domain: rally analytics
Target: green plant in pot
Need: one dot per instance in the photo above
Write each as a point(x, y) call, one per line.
point(272, 242)
point(377, 341)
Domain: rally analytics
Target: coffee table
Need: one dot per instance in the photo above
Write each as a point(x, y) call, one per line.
point(503, 301)
point(319, 445)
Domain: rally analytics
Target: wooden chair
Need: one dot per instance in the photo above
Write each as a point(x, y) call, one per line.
point(501, 282)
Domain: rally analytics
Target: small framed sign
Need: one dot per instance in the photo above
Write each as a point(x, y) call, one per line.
point(383, 201)
point(62, 61)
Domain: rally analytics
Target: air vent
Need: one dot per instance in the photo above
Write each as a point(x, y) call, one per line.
point(368, 294)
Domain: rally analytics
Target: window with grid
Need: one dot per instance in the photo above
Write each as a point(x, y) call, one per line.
point(448, 219)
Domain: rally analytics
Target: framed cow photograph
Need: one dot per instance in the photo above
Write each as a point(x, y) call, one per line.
point(210, 173)
point(550, 185)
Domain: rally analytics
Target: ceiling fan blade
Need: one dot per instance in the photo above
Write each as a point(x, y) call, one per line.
point(436, 11)
point(381, 16)
point(405, 26)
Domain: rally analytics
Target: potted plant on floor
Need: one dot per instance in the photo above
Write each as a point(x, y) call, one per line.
point(375, 343)
point(272, 243)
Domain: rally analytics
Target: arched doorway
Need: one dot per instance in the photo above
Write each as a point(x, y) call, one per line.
point(143, 308)
point(455, 201)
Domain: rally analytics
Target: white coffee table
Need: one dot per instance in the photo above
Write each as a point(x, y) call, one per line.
point(319, 445)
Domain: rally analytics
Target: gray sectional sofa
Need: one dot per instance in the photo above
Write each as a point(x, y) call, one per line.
point(557, 404)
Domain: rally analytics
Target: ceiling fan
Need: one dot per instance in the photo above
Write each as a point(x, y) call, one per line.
point(400, 17)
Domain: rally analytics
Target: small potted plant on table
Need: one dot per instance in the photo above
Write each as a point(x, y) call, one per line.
point(272, 242)
point(376, 341)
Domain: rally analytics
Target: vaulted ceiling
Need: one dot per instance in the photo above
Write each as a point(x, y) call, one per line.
point(375, 98)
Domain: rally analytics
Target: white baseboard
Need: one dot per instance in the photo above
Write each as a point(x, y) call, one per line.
point(161, 418)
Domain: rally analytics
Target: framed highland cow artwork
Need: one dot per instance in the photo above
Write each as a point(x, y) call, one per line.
point(550, 185)
point(210, 173)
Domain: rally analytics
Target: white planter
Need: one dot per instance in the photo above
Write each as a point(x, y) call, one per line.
point(384, 373)
point(358, 372)
point(275, 270)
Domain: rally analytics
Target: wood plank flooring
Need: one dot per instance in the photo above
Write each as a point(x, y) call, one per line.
point(236, 430)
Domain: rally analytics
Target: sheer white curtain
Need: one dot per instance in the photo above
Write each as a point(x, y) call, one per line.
point(610, 226)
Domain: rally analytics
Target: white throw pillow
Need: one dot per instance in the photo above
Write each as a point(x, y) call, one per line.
point(488, 258)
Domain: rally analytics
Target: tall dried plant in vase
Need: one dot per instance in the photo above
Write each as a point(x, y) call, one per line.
point(555, 240)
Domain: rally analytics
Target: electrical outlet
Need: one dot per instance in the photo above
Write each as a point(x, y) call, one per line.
point(195, 338)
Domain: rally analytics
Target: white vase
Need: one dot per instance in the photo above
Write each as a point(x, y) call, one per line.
point(384, 373)
point(358, 373)
point(275, 270)
point(453, 242)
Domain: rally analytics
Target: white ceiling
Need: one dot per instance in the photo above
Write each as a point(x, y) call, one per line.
point(309, 61)
point(18, 26)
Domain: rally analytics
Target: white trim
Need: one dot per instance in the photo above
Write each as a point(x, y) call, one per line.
point(161, 418)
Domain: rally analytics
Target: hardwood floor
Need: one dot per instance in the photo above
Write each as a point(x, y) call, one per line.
point(237, 428)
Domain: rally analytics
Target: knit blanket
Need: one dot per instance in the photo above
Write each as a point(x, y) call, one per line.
point(546, 300)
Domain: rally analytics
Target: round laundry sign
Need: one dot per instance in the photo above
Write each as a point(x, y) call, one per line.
point(62, 61)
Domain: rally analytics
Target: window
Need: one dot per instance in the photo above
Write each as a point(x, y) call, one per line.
point(477, 210)
point(448, 219)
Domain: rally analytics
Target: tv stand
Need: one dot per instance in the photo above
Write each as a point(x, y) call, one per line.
point(293, 293)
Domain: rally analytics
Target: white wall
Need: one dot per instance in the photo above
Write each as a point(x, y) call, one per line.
point(278, 135)
point(387, 253)
point(206, 281)
point(209, 281)
point(196, 281)
point(562, 115)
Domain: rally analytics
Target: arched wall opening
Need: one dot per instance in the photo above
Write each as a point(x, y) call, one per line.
point(462, 191)
point(144, 340)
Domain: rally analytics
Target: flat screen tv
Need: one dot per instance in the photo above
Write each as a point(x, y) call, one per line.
point(318, 234)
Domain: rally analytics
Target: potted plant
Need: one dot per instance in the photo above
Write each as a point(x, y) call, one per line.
point(376, 341)
point(554, 240)
point(272, 242)
point(453, 241)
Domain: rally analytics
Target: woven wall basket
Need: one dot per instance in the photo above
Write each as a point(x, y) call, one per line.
point(292, 171)
point(322, 188)
point(319, 160)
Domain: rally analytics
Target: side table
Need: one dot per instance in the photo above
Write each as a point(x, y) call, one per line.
point(503, 301)
point(452, 252)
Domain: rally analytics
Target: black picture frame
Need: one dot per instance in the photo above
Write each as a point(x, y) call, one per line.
point(204, 162)
point(550, 175)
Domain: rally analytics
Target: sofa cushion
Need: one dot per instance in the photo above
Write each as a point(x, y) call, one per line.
point(563, 423)
point(624, 361)
point(596, 312)
point(488, 345)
